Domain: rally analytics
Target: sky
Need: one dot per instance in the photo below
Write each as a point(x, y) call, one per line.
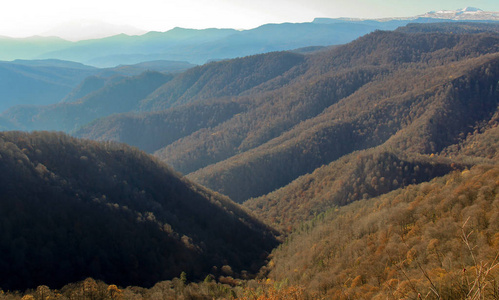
point(22, 18)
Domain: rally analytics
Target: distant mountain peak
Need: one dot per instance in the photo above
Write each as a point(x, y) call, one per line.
point(464, 14)
point(467, 13)
point(471, 9)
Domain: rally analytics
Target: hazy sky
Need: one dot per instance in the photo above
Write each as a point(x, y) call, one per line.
point(30, 17)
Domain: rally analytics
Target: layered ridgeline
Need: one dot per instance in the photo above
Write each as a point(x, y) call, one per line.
point(39, 82)
point(116, 95)
point(403, 90)
point(49, 81)
point(153, 91)
point(194, 46)
point(200, 46)
point(73, 208)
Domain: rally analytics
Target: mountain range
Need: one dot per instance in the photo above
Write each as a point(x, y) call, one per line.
point(51, 81)
point(200, 46)
point(48, 81)
point(375, 161)
point(41, 62)
point(279, 107)
point(465, 14)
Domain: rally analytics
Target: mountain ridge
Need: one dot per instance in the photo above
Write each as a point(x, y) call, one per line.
point(203, 45)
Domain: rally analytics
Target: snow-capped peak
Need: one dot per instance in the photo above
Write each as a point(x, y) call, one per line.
point(471, 9)
point(468, 13)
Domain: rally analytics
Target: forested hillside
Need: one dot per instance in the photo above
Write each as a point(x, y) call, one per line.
point(299, 112)
point(407, 108)
point(89, 85)
point(437, 239)
point(72, 208)
point(375, 162)
point(221, 79)
point(179, 122)
point(482, 143)
point(360, 175)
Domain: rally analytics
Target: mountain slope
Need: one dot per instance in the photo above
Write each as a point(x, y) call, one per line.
point(403, 244)
point(48, 81)
point(396, 88)
point(113, 75)
point(89, 85)
point(221, 79)
point(359, 175)
point(152, 91)
point(71, 209)
point(163, 66)
point(417, 107)
point(269, 115)
point(162, 128)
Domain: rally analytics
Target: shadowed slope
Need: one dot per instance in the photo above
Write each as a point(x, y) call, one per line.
point(74, 208)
